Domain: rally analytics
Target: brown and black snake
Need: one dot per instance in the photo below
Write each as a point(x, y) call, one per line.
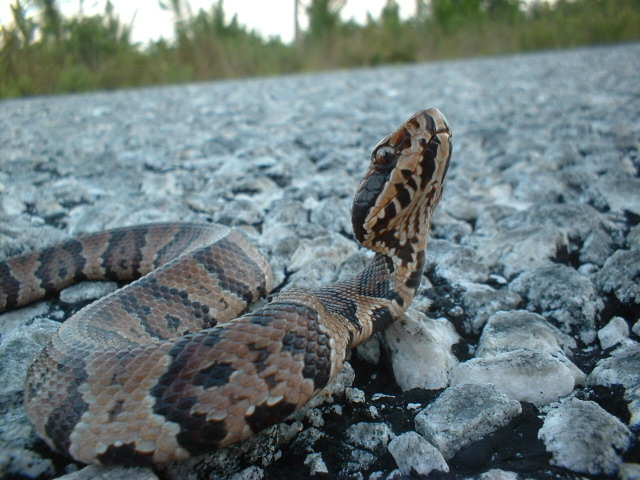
point(164, 369)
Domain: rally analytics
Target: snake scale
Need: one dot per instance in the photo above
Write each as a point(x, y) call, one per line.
point(164, 369)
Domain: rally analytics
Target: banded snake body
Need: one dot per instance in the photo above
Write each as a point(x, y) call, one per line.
point(163, 368)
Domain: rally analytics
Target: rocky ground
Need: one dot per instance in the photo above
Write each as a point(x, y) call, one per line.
point(519, 359)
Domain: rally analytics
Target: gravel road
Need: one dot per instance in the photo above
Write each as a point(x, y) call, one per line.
point(520, 356)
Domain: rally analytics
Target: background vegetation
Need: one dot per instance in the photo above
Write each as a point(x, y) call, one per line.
point(42, 52)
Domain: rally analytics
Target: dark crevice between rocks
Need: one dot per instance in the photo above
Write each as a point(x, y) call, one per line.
point(586, 358)
point(57, 220)
point(615, 308)
point(245, 191)
point(69, 204)
point(569, 254)
point(347, 234)
point(446, 302)
point(598, 206)
point(200, 211)
point(31, 209)
point(632, 455)
point(282, 285)
point(233, 222)
point(497, 280)
point(381, 391)
point(632, 219)
point(394, 410)
point(61, 463)
point(282, 181)
point(391, 405)
point(332, 445)
point(70, 309)
point(50, 168)
point(514, 447)
point(374, 379)
point(610, 398)
point(149, 167)
point(161, 474)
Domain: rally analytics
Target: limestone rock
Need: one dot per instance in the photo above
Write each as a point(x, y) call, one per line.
point(621, 368)
point(420, 350)
point(585, 438)
point(522, 375)
point(620, 275)
point(562, 295)
point(110, 473)
point(613, 332)
point(415, 456)
point(464, 413)
point(519, 329)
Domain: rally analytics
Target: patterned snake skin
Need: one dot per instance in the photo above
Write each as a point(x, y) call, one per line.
point(163, 368)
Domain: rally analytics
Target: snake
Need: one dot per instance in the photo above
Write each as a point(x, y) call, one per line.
point(168, 367)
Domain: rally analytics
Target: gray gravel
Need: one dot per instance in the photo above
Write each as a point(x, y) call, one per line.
point(537, 240)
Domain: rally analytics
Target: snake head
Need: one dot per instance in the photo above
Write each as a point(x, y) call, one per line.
point(394, 202)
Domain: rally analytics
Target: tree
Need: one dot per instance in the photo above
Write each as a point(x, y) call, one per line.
point(452, 15)
point(324, 18)
point(51, 19)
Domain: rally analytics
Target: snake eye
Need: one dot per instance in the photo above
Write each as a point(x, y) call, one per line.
point(384, 156)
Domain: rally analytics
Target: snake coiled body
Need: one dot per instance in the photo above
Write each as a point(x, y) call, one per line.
point(163, 368)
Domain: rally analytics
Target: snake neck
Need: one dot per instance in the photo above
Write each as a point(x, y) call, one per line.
point(376, 296)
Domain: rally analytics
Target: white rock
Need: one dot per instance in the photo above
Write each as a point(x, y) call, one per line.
point(12, 206)
point(420, 350)
point(622, 367)
point(14, 462)
point(373, 412)
point(19, 341)
point(396, 475)
point(314, 416)
point(416, 456)
point(333, 247)
point(517, 249)
point(520, 329)
point(619, 275)
point(458, 264)
point(496, 474)
point(463, 414)
point(522, 375)
point(516, 329)
point(636, 328)
point(369, 350)
point(561, 293)
point(251, 473)
point(613, 332)
point(584, 438)
point(93, 472)
point(316, 464)
point(354, 395)
point(360, 459)
point(87, 291)
point(482, 301)
point(370, 436)
point(377, 475)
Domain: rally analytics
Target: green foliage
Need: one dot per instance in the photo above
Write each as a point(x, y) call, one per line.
point(43, 52)
point(584, 22)
point(324, 19)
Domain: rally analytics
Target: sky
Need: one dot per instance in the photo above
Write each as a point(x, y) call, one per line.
point(269, 18)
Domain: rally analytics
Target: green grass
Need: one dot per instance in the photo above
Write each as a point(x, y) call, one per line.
point(45, 53)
